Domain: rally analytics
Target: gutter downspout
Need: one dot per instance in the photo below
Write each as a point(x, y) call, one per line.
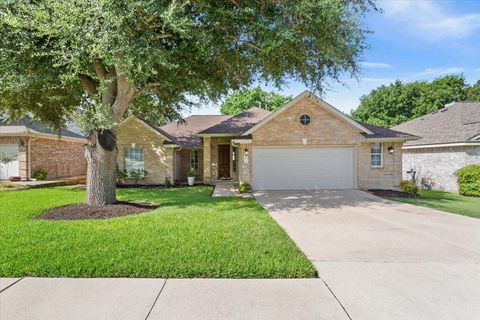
point(29, 157)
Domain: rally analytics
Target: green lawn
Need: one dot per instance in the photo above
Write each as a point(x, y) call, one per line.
point(446, 201)
point(189, 235)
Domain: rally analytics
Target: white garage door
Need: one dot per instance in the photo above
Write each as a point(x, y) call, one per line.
point(294, 168)
point(12, 168)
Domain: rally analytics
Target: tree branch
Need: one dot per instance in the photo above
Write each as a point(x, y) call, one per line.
point(100, 69)
point(89, 84)
point(125, 94)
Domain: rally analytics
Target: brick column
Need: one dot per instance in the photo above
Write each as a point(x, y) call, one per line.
point(207, 159)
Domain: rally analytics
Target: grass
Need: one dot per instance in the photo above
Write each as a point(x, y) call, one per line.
point(446, 201)
point(189, 235)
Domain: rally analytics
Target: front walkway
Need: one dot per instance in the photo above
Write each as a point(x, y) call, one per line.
point(227, 189)
point(152, 299)
point(384, 259)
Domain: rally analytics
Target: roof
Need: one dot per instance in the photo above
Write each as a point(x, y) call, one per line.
point(456, 123)
point(238, 124)
point(384, 133)
point(28, 125)
point(185, 131)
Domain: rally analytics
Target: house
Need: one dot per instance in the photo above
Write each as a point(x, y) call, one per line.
point(37, 146)
point(306, 144)
point(450, 140)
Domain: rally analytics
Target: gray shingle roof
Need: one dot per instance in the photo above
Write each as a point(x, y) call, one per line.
point(185, 131)
point(457, 122)
point(41, 127)
point(240, 123)
point(380, 132)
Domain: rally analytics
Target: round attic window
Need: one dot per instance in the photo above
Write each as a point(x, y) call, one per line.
point(305, 119)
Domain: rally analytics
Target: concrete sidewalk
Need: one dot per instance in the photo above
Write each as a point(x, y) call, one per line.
point(67, 298)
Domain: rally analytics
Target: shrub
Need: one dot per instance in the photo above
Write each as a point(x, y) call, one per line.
point(167, 183)
point(469, 180)
point(130, 175)
point(244, 187)
point(40, 174)
point(408, 187)
point(191, 173)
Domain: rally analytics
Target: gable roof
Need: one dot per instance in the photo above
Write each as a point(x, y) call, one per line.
point(153, 127)
point(28, 126)
point(457, 122)
point(384, 133)
point(238, 124)
point(312, 96)
point(185, 131)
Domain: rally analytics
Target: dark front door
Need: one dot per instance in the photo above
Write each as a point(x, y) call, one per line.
point(223, 161)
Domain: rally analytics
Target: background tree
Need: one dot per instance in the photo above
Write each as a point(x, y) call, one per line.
point(399, 102)
point(243, 100)
point(473, 93)
point(95, 58)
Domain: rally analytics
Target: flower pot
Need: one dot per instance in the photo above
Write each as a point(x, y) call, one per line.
point(191, 181)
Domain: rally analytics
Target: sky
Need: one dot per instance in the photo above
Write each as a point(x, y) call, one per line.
point(411, 40)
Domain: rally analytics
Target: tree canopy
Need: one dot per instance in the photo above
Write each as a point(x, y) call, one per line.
point(399, 102)
point(245, 99)
point(102, 59)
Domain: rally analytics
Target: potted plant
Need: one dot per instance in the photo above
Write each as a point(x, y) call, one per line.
point(191, 177)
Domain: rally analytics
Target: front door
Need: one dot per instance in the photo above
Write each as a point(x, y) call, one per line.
point(223, 161)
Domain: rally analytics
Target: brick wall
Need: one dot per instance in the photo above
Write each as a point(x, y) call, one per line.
point(440, 164)
point(158, 161)
point(59, 158)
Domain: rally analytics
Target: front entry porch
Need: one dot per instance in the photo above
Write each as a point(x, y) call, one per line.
point(220, 159)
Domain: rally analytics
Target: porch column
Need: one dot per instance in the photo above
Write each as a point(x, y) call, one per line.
point(207, 159)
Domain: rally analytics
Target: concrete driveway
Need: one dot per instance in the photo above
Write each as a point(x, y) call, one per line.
point(382, 259)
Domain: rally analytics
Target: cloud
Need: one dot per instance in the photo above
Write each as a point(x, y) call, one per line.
point(377, 65)
point(431, 20)
point(442, 71)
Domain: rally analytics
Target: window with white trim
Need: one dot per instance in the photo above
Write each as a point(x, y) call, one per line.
point(194, 160)
point(134, 159)
point(376, 154)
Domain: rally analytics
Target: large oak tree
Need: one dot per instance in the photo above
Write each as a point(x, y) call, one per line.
point(98, 58)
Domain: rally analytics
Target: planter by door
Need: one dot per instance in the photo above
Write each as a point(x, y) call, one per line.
point(191, 181)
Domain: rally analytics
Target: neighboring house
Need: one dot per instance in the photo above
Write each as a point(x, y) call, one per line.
point(450, 140)
point(307, 144)
point(59, 153)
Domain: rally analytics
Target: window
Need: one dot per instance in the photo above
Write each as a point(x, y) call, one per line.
point(194, 160)
point(234, 160)
point(305, 119)
point(376, 160)
point(134, 159)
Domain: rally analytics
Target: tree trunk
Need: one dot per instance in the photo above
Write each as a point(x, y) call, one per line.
point(101, 155)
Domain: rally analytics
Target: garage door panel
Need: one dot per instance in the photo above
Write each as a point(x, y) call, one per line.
point(290, 168)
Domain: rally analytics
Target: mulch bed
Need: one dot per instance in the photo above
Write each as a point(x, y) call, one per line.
point(83, 211)
point(392, 193)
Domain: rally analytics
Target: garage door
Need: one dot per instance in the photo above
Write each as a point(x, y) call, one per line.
point(12, 168)
point(293, 168)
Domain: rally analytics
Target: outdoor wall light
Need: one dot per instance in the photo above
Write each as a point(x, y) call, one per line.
point(246, 152)
point(391, 150)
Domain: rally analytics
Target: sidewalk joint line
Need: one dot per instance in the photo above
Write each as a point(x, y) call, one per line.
point(156, 299)
point(336, 298)
point(12, 284)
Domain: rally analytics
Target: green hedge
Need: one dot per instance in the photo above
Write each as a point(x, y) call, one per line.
point(469, 180)
point(408, 187)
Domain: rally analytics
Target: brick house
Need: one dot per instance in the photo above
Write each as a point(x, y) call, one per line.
point(450, 140)
point(59, 153)
point(306, 144)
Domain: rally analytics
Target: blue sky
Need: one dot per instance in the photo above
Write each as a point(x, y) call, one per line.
point(411, 40)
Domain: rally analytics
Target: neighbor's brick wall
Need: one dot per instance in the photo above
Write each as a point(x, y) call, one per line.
point(158, 161)
point(59, 158)
point(22, 153)
point(439, 164)
point(326, 129)
point(182, 165)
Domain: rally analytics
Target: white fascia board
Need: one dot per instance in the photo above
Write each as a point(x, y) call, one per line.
point(388, 139)
point(207, 135)
point(311, 95)
point(242, 141)
point(441, 145)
